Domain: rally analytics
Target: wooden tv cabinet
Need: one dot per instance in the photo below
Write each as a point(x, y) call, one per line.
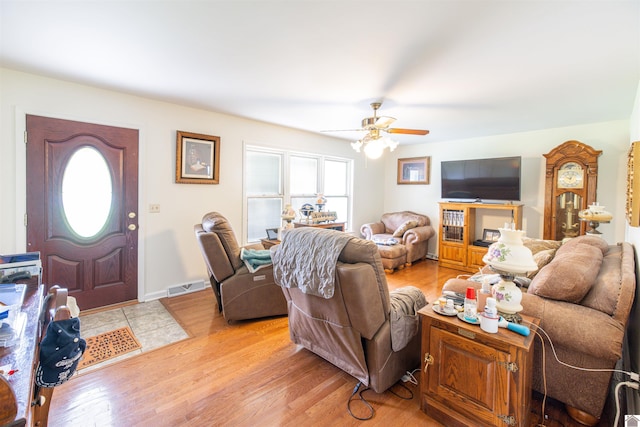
point(458, 232)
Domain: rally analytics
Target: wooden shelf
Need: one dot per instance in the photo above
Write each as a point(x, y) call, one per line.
point(457, 233)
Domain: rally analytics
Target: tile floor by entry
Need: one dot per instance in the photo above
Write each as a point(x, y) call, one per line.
point(150, 322)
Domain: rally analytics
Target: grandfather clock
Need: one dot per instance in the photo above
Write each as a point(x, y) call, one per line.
point(571, 180)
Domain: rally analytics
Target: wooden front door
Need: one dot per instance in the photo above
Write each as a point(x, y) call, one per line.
point(82, 208)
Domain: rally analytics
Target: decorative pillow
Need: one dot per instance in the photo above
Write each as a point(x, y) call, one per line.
point(542, 258)
point(594, 241)
point(570, 275)
point(537, 245)
point(407, 225)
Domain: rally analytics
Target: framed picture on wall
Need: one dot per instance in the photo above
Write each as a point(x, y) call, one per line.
point(197, 158)
point(414, 170)
point(633, 185)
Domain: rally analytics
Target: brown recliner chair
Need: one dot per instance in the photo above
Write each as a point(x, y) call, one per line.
point(352, 329)
point(240, 294)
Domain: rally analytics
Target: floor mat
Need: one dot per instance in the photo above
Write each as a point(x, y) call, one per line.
point(109, 345)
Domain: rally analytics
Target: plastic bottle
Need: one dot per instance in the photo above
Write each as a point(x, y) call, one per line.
point(470, 305)
point(484, 293)
point(490, 310)
point(489, 320)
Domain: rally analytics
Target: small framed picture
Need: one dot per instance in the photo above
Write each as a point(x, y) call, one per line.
point(414, 170)
point(197, 158)
point(490, 235)
point(272, 233)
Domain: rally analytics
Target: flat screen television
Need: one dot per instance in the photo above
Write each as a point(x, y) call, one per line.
point(481, 179)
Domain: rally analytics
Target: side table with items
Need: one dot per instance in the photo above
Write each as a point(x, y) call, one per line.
point(31, 365)
point(472, 377)
point(330, 225)
point(268, 243)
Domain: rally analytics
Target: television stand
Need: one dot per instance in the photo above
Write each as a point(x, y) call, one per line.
point(456, 247)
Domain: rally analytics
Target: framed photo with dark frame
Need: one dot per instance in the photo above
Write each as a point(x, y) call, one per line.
point(272, 233)
point(197, 158)
point(414, 170)
point(490, 235)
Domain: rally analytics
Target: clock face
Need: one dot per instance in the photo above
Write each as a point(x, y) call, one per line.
point(571, 175)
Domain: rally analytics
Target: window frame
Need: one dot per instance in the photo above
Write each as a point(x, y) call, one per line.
point(284, 185)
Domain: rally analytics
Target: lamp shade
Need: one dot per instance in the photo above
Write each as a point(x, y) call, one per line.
point(595, 212)
point(509, 253)
point(509, 257)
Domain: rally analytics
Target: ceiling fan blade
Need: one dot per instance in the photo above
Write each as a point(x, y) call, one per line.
point(384, 122)
point(381, 122)
point(407, 131)
point(344, 130)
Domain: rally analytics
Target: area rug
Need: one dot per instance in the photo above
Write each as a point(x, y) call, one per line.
point(109, 345)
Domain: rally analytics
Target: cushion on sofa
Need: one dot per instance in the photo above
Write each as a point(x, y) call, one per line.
point(605, 292)
point(594, 241)
point(538, 245)
point(393, 220)
point(407, 225)
point(541, 258)
point(570, 275)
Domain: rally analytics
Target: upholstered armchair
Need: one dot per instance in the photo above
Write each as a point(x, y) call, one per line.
point(352, 320)
point(240, 293)
point(410, 229)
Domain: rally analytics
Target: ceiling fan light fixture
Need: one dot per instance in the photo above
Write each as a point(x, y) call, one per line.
point(374, 146)
point(374, 149)
point(373, 143)
point(390, 143)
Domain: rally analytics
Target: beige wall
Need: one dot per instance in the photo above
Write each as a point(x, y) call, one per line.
point(168, 251)
point(610, 137)
point(169, 254)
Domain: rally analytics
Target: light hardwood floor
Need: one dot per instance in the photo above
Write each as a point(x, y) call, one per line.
point(242, 374)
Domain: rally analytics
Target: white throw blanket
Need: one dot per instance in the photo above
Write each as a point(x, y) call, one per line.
point(306, 259)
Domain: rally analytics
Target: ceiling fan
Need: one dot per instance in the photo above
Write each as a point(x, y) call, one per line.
point(381, 123)
point(374, 144)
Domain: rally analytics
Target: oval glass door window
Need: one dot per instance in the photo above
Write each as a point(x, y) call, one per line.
point(87, 192)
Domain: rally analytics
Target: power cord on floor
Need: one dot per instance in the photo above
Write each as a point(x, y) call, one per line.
point(358, 390)
point(631, 384)
point(408, 390)
point(410, 378)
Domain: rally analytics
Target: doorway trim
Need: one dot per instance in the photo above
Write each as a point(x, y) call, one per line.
point(21, 182)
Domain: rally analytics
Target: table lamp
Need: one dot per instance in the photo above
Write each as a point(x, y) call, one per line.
point(595, 215)
point(509, 257)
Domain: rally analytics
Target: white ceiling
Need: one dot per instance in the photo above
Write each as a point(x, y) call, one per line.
point(458, 68)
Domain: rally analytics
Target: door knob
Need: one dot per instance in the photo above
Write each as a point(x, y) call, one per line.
point(132, 215)
point(132, 227)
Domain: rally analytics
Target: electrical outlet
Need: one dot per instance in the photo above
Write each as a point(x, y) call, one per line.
point(154, 208)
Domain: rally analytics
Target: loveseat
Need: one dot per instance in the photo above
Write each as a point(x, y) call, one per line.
point(410, 230)
point(582, 294)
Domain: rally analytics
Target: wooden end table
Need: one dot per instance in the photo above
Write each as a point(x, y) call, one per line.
point(471, 377)
point(267, 243)
point(330, 225)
